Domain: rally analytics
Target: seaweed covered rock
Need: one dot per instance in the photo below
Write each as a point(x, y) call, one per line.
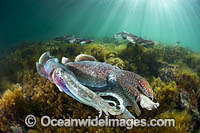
point(172, 54)
point(182, 121)
point(114, 61)
point(179, 125)
point(188, 80)
point(146, 61)
point(166, 94)
point(168, 73)
point(13, 109)
point(99, 51)
point(193, 61)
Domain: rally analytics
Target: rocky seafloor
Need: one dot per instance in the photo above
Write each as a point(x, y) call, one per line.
point(172, 71)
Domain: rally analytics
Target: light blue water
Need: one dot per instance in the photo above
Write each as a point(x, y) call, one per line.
point(163, 21)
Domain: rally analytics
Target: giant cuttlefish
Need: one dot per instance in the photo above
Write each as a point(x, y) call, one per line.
point(133, 38)
point(88, 80)
point(48, 67)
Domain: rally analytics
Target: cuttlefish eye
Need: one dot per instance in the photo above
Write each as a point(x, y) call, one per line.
point(145, 88)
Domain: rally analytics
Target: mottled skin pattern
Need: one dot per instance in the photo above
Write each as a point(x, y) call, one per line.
point(105, 77)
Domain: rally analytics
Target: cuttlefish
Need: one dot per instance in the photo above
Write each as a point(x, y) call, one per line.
point(49, 68)
point(88, 81)
point(133, 38)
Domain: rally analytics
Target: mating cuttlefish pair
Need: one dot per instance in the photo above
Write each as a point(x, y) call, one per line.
point(105, 87)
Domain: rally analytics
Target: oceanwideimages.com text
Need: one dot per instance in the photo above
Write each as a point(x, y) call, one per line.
point(46, 121)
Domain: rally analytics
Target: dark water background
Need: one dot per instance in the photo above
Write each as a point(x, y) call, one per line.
point(164, 21)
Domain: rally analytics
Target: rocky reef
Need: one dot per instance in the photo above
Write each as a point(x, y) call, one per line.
point(172, 71)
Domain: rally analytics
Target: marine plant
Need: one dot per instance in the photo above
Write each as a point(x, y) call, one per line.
point(116, 62)
point(145, 61)
point(180, 125)
point(164, 93)
point(13, 108)
point(100, 51)
point(193, 61)
point(172, 54)
point(188, 80)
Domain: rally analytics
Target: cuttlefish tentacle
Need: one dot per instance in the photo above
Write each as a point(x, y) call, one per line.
point(126, 114)
point(111, 102)
point(120, 100)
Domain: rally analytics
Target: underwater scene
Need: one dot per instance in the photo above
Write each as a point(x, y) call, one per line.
point(134, 62)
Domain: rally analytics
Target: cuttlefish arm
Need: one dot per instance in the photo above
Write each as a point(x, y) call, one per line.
point(132, 94)
point(145, 102)
point(138, 82)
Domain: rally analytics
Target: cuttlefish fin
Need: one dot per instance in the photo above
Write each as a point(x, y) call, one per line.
point(41, 70)
point(84, 57)
point(44, 57)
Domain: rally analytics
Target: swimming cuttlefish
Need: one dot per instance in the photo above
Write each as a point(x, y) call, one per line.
point(126, 36)
point(89, 82)
point(133, 38)
point(73, 40)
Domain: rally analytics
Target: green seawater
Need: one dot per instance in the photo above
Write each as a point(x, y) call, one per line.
point(164, 21)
